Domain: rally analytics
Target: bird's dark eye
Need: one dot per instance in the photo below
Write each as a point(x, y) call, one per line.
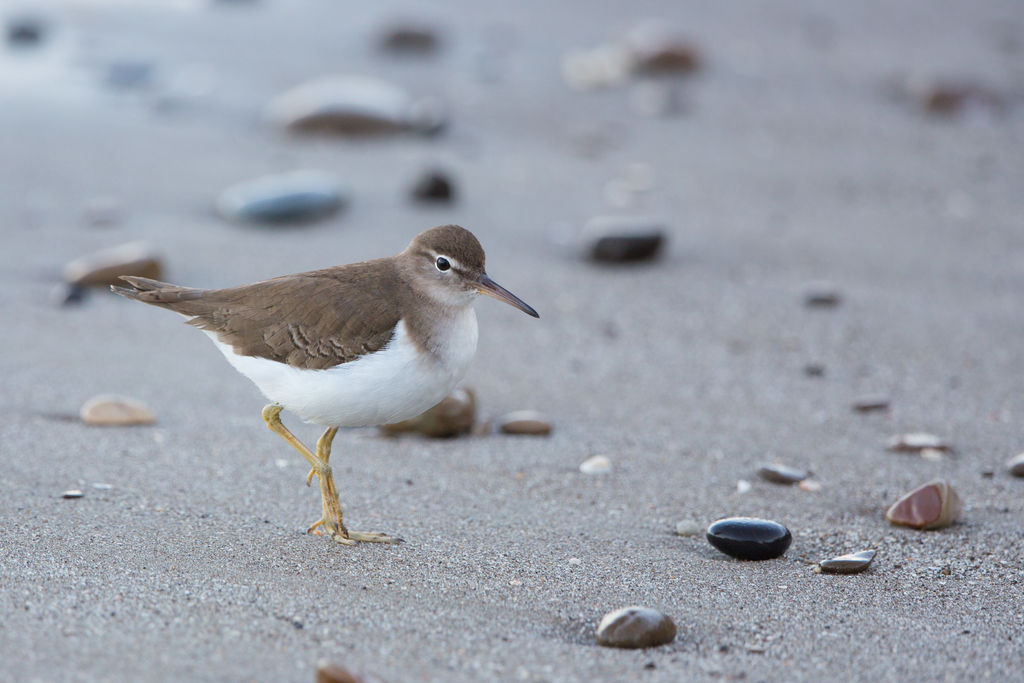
point(442, 264)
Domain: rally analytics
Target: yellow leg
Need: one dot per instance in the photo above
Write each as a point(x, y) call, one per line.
point(331, 518)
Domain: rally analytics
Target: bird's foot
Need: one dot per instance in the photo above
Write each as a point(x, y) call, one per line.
point(346, 537)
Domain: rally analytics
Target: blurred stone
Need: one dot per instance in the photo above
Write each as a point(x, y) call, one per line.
point(949, 98)
point(854, 563)
point(749, 538)
point(356, 106)
point(329, 672)
point(1016, 465)
point(782, 474)
point(102, 211)
point(597, 464)
point(25, 31)
point(622, 239)
point(931, 506)
point(916, 442)
point(524, 422)
point(688, 527)
point(868, 404)
point(111, 410)
point(295, 197)
point(821, 295)
point(635, 627)
point(104, 268)
point(931, 454)
point(655, 50)
point(434, 186)
point(72, 493)
point(600, 67)
point(809, 485)
point(743, 486)
point(454, 415)
point(814, 370)
point(409, 39)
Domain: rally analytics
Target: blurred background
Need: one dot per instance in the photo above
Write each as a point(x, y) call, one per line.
point(735, 219)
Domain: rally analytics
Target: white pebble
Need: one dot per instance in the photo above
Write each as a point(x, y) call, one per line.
point(598, 464)
point(688, 527)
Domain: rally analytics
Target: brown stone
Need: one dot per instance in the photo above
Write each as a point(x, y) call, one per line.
point(110, 410)
point(1016, 465)
point(528, 422)
point(931, 506)
point(868, 404)
point(635, 627)
point(853, 563)
point(103, 268)
point(328, 672)
point(453, 416)
point(655, 50)
point(916, 442)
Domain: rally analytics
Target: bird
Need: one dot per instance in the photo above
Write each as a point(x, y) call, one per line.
point(357, 345)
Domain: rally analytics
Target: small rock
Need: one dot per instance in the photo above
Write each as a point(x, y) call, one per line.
point(931, 454)
point(688, 527)
point(72, 493)
point(950, 98)
point(107, 409)
point(872, 403)
point(104, 268)
point(749, 538)
point(916, 442)
point(524, 422)
point(409, 39)
point(854, 563)
point(434, 186)
point(1016, 465)
point(597, 464)
point(25, 31)
point(575, 561)
point(821, 295)
point(931, 506)
point(454, 415)
point(743, 486)
point(814, 370)
point(299, 196)
point(352, 105)
point(600, 67)
point(102, 486)
point(622, 239)
point(654, 50)
point(635, 627)
point(809, 485)
point(328, 672)
point(782, 474)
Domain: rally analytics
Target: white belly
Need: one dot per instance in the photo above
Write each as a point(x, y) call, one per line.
point(393, 384)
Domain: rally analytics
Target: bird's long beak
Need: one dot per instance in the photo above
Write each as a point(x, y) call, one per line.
point(487, 286)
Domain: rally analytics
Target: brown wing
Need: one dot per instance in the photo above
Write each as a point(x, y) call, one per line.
point(311, 320)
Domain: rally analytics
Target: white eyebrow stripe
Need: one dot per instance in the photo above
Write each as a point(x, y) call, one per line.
point(455, 264)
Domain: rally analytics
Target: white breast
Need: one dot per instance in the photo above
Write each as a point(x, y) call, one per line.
point(395, 383)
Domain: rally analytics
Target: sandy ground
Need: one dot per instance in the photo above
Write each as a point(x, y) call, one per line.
point(792, 162)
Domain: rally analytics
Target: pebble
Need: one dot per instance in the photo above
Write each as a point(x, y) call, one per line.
point(853, 563)
point(528, 422)
point(931, 506)
point(916, 442)
point(635, 627)
point(1016, 465)
point(600, 67)
point(814, 370)
point(688, 527)
point(743, 486)
point(782, 474)
point(809, 485)
point(72, 493)
point(354, 105)
point(749, 538)
point(950, 98)
point(25, 31)
point(454, 415)
point(107, 409)
point(409, 39)
point(575, 561)
point(655, 50)
point(329, 672)
point(597, 464)
point(104, 268)
point(871, 403)
point(821, 295)
point(294, 197)
point(434, 186)
point(622, 239)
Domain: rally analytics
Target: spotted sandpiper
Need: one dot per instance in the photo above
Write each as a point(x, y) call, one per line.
point(364, 344)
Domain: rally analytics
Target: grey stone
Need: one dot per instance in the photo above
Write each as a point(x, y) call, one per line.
point(852, 563)
point(295, 197)
point(635, 627)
